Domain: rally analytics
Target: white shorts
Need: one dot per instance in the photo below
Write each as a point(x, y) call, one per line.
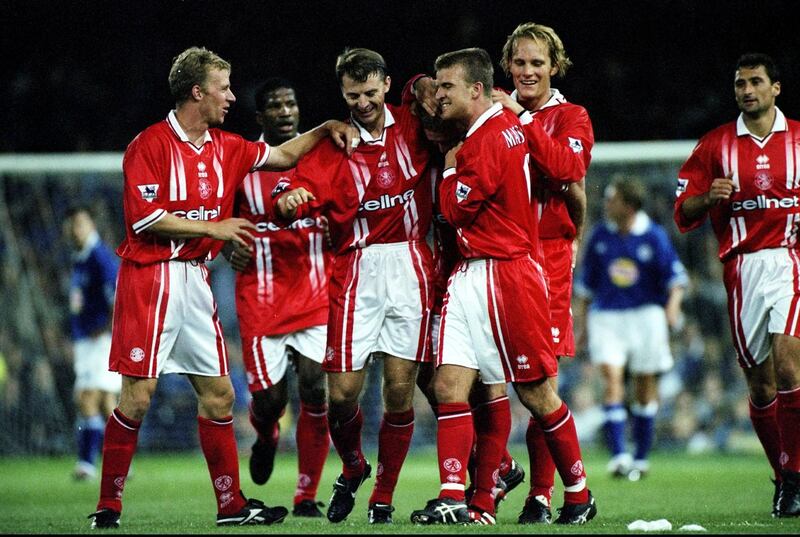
point(165, 321)
point(636, 337)
point(91, 365)
point(266, 358)
point(436, 322)
point(763, 299)
point(380, 301)
point(495, 319)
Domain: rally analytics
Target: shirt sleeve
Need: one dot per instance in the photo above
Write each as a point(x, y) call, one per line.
point(465, 188)
point(565, 155)
point(146, 183)
point(586, 279)
point(672, 271)
point(694, 178)
point(108, 270)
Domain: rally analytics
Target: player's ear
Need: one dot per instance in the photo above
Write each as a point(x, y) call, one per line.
point(388, 83)
point(197, 92)
point(776, 89)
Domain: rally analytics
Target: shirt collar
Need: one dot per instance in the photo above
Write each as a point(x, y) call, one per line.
point(778, 126)
point(555, 99)
point(641, 222)
point(366, 137)
point(493, 110)
point(91, 242)
point(172, 118)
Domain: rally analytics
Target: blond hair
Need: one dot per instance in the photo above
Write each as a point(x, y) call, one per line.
point(190, 68)
point(541, 34)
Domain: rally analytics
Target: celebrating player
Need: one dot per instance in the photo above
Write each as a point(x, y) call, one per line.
point(495, 318)
point(282, 304)
point(634, 281)
point(745, 177)
point(91, 301)
point(560, 140)
point(180, 176)
point(378, 205)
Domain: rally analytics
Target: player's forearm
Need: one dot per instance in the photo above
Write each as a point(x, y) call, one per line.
point(696, 207)
point(173, 227)
point(575, 199)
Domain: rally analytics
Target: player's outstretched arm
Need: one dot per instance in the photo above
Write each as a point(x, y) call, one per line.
point(230, 229)
point(287, 154)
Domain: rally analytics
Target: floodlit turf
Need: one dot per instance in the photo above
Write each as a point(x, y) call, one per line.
point(172, 494)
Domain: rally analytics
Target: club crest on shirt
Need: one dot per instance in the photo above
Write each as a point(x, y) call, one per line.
point(204, 188)
point(386, 176)
point(149, 192)
point(462, 191)
point(763, 180)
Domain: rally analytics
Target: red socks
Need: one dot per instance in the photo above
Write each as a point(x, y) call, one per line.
point(492, 427)
point(346, 437)
point(765, 424)
point(313, 444)
point(267, 429)
point(119, 446)
point(218, 443)
point(562, 439)
point(788, 420)
point(454, 442)
point(542, 466)
point(394, 440)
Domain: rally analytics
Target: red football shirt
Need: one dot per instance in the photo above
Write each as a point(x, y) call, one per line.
point(764, 210)
point(379, 194)
point(487, 196)
point(166, 173)
point(560, 139)
point(445, 244)
point(285, 287)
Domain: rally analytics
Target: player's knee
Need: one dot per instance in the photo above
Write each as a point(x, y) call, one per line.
point(269, 403)
point(313, 394)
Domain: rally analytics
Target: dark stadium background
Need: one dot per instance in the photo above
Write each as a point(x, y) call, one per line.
point(89, 75)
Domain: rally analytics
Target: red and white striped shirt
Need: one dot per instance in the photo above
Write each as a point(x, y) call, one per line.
point(377, 195)
point(764, 209)
point(164, 172)
point(285, 287)
point(560, 139)
point(487, 197)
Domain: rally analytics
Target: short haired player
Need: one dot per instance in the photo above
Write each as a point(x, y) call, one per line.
point(180, 177)
point(745, 177)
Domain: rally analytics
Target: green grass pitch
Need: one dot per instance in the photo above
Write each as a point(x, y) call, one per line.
point(171, 493)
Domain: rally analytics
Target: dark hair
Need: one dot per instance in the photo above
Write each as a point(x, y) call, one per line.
point(631, 191)
point(359, 64)
point(754, 59)
point(477, 66)
point(270, 85)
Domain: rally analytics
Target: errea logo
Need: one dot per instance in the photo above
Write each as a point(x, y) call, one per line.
point(762, 162)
